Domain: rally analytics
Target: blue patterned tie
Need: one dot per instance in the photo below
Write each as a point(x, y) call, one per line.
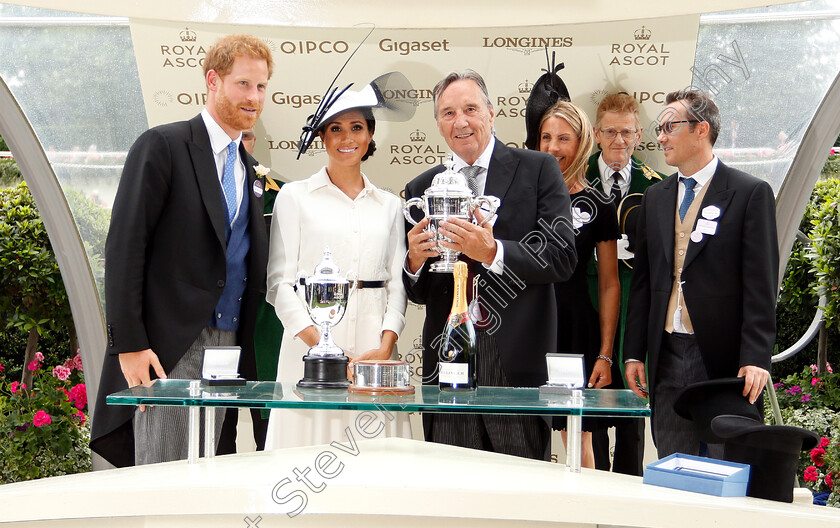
point(689, 196)
point(229, 182)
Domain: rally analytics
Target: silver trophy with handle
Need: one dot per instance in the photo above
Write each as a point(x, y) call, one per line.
point(447, 197)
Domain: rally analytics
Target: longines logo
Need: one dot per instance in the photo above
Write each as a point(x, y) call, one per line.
point(308, 47)
point(640, 52)
point(163, 98)
point(413, 96)
point(295, 100)
point(526, 45)
point(407, 47)
point(187, 54)
point(416, 152)
point(314, 148)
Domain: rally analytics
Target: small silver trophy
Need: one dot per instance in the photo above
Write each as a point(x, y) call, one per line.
point(449, 196)
point(326, 293)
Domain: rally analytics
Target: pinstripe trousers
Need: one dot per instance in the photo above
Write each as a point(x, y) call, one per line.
point(680, 365)
point(524, 436)
point(160, 433)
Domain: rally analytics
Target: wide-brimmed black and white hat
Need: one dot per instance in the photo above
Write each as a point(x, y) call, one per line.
point(386, 97)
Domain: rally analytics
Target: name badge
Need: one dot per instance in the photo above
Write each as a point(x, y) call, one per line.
point(696, 236)
point(707, 227)
point(710, 212)
point(258, 188)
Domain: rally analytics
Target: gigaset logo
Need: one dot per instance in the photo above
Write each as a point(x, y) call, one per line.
point(295, 100)
point(406, 47)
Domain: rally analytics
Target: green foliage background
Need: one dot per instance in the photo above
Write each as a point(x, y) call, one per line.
point(808, 270)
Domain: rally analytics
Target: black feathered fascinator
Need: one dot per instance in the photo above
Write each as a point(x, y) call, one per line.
point(548, 89)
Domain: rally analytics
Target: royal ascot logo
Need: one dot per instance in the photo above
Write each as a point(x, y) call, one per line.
point(186, 53)
point(642, 34)
point(640, 51)
point(188, 35)
point(526, 45)
point(316, 147)
point(416, 152)
point(407, 47)
point(514, 106)
point(295, 100)
point(163, 98)
point(411, 96)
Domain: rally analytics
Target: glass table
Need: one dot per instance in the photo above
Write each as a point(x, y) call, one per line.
point(575, 404)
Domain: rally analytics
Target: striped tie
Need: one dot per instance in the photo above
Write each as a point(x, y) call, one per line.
point(471, 172)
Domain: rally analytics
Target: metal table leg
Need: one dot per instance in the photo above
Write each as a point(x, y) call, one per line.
point(573, 442)
point(210, 432)
point(193, 425)
point(574, 424)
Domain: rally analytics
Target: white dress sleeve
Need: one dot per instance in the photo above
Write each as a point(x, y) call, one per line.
point(283, 261)
point(394, 318)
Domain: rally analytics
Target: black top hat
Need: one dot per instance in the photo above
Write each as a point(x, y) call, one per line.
point(772, 451)
point(701, 402)
point(548, 89)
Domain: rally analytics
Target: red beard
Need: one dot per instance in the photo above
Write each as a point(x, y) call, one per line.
point(230, 114)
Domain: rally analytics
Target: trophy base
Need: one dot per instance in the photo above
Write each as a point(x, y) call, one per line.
point(443, 266)
point(324, 373)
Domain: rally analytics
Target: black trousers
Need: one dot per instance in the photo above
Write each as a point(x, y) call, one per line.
point(524, 436)
point(227, 438)
point(680, 365)
point(629, 451)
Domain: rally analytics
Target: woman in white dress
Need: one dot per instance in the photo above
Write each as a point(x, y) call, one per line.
point(338, 207)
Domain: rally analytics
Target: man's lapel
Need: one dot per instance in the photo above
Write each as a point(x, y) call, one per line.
point(718, 195)
point(204, 166)
point(501, 172)
point(666, 208)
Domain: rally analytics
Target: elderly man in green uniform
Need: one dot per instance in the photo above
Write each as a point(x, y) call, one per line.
point(624, 178)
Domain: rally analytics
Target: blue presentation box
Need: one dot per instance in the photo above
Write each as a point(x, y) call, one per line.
point(699, 474)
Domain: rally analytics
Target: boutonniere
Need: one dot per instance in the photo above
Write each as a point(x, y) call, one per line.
point(261, 171)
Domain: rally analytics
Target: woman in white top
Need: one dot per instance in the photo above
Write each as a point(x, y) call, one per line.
point(338, 207)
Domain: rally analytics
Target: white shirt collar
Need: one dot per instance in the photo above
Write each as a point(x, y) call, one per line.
point(322, 179)
point(702, 176)
point(608, 171)
point(482, 161)
point(219, 140)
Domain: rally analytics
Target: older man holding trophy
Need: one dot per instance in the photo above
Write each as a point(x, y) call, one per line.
point(513, 263)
